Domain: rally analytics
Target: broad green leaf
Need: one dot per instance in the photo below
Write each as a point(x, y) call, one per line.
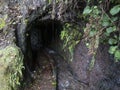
point(105, 23)
point(87, 10)
point(112, 49)
point(115, 10)
point(109, 29)
point(117, 54)
point(112, 41)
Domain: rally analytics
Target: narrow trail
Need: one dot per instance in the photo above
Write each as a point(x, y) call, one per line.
point(44, 75)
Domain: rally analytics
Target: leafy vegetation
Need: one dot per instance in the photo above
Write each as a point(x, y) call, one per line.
point(103, 27)
point(71, 37)
point(12, 61)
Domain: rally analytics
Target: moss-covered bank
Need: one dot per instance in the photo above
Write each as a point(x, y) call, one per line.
point(11, 65)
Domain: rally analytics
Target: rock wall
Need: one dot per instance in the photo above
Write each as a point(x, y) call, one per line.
point(77, 75)
point(15, 15)
point(11, 57)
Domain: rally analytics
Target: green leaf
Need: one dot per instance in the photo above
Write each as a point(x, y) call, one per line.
point(112, 41)
point(105, 23)
point(112, 49)
point(110, 29)
point(87, 10)
point(117, 54)
point(115, 10)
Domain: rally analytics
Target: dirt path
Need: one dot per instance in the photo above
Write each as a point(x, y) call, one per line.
point(44, 77)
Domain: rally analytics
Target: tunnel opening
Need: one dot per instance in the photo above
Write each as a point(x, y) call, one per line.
point(41, 36)
point(43, 33)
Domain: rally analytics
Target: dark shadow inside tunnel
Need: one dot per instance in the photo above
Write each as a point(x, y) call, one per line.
point(40, 35)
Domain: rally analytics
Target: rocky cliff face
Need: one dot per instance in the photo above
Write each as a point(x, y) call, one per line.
point(16, 19)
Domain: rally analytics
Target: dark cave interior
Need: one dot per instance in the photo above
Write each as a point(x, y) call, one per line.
point(44, 33)
point(41, 35)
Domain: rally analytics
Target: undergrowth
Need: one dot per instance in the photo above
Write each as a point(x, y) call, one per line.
point(103, 26)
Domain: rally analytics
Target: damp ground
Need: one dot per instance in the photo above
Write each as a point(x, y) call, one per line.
point(44, 78)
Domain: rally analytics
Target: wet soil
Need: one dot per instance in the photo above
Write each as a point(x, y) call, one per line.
point(44, 78)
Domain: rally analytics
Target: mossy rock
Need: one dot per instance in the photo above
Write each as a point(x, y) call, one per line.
point(11, 65)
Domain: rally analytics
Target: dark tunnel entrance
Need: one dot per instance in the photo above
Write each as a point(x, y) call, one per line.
point(41, 35)
point(44, 33)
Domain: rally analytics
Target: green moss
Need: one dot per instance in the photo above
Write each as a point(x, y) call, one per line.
point(2, 23)
point(70, 36)
point(11, 64)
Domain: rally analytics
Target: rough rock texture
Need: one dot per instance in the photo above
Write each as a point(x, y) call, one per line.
point(14, 17)
point(81, 65)
point(77, 75)
point(11, 57)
